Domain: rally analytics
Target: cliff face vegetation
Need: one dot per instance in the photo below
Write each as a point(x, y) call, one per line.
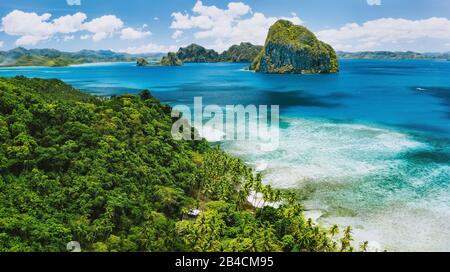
point(197, 53)
point(142, 62)
point(107, 173)
point(171, 60)
point(291, 48)
point(244, 52)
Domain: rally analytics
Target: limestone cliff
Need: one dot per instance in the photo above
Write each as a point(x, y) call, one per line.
point(171, 60)
point(197, 53)
point(291, 48)
point(142, 62)
point(244, 52)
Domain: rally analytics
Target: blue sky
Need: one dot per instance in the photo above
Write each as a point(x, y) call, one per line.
point(142, 26)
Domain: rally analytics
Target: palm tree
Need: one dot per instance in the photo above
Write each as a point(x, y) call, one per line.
point(242, 199)
point(334, 230)
point(291, 198)
point(267, 194)
point(278, 196)
point(364, 246)
point(346, 240)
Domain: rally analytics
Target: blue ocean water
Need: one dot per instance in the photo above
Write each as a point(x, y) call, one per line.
point(369, 146)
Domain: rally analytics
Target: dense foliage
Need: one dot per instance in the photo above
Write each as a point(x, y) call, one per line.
point(142, 62)
point(197, 53)
point(171, 60)
point(291, 48)
point(51, 57)
point(106, 172)
point(244, 52)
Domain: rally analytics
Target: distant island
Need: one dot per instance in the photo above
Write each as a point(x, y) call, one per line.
point(197, 53)
point(289, 48)
point(393, 55)
point(244, 52)
point(55, 58)
point(194, 53)
point(170, 59)
point(293, 49)
point(317, 57)
point(142, 62)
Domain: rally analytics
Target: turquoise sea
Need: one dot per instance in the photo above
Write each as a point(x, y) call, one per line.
point(369, 147)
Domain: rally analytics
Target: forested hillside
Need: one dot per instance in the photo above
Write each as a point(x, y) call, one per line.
point(108, 174)
point(53, 58)
point(194, 53)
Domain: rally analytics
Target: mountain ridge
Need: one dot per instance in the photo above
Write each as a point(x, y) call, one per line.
point(54, 58)
point(394, 55)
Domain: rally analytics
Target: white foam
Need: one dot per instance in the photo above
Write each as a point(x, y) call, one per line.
point(316, 150)
point(362, 179)
point(401, 227)
point(261, 166)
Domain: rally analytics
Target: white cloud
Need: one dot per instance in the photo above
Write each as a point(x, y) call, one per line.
point(184, 21)
point(388, 33)
point(69, 23)
point(18, 23)
point(1, 44)
point(85, 37)
point(149, 48)
point(33, 28)
point(156, 18)
point(103, 27)
point(224, 27)
point(238, 8)
point(133, 34)
point(374, 2)
point(100, 36)
point(177, 34)
point(68, 38)
point(73, 2)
